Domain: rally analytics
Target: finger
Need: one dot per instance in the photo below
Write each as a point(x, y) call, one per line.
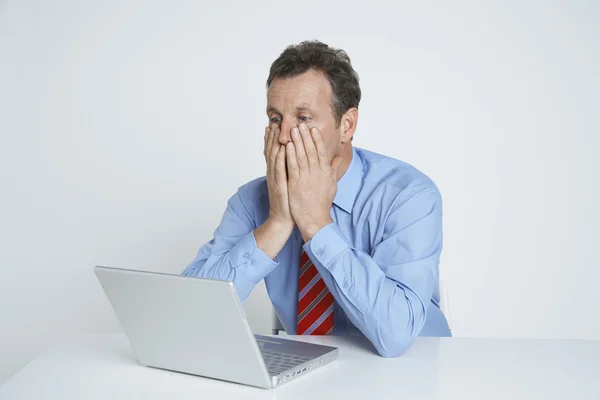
point(292, 162)
point(309, 146)
point(275, 138)
point(274, 145)
point(268, 141)
point(322, 154)
point(299, 149)
point(267, 130)
point(280, 174)
point(273, 150)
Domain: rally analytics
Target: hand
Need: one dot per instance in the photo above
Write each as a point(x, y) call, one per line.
point(279, 208)
point(312, 182)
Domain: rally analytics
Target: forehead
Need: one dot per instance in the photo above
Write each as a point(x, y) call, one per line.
point(310, 88)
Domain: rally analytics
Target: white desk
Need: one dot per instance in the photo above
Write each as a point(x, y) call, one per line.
point(103, 367)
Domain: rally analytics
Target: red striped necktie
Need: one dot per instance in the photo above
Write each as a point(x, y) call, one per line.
point(315, 301)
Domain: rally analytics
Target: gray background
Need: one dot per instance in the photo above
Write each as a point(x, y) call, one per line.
point(126, 127)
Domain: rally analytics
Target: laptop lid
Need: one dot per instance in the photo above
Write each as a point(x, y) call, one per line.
point(185, 324)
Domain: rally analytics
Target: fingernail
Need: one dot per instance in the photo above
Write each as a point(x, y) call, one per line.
point(295, 131)
point(290, 145)
point(303, 127)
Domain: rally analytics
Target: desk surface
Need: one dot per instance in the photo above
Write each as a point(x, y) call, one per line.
point(104, 367)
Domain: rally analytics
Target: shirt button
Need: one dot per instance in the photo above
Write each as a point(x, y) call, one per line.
point(253, 262)
point(345, 285)
point(246, 255)
point(319, 251)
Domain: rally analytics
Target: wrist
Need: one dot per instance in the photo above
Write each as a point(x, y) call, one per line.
point(271, 236)
point(309, 230)
point(281, 227)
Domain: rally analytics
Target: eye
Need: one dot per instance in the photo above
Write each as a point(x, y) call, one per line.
point(304, 119)
point(275, 120)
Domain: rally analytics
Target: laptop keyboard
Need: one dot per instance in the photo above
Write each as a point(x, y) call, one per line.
point(281, 362)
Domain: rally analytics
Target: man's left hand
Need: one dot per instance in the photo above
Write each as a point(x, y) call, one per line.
point(312, 180)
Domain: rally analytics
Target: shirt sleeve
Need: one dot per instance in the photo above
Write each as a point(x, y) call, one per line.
point(232, 254)
point(386, 294)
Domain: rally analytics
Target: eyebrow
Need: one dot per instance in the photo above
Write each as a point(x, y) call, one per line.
point(302, 107)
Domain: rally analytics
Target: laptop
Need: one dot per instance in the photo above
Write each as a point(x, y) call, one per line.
point(198, 326)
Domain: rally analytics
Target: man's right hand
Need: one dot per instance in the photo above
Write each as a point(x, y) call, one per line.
point(279, 204)
point(273, 234)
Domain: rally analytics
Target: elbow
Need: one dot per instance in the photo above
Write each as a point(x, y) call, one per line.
point(396, 335)
point(396, 340)
point(393, 348)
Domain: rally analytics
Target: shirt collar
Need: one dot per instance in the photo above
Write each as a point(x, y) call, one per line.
point(349, 184)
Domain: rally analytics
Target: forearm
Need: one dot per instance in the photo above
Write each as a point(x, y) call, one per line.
point(390, 315)
point(244, 264)
point(387, 312)
point(233, 254)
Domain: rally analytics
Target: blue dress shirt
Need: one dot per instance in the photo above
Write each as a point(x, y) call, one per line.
point(379, 257)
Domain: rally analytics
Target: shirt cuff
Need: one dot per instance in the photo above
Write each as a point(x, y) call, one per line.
point(251, 261)
point(326, 244)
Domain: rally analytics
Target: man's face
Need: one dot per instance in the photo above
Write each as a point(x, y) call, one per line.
point(304, 98)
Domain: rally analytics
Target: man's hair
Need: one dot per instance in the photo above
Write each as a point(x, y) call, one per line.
point(334, 63)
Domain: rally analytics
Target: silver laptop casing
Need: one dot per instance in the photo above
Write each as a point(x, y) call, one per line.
point(197, 326)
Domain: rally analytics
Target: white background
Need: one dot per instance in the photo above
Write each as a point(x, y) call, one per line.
point(126, 127)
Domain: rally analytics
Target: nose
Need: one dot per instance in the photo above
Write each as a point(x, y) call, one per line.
point(285, 135)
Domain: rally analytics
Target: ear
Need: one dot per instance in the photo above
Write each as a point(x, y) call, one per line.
point(348, 124)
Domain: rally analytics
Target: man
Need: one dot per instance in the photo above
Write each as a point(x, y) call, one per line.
point(348, 241)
